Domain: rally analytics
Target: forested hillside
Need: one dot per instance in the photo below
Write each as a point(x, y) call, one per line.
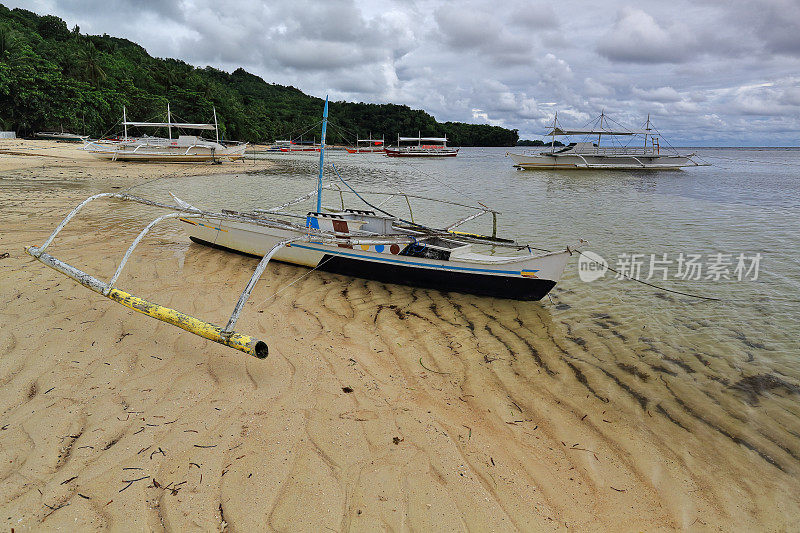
point(54, 78)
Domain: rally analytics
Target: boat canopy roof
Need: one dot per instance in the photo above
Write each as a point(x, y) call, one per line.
point(171, 124)
point(428, 139)
point(569, 131)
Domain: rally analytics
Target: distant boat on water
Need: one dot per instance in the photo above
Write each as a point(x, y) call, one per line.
point(294, 146)
point(184, 149)
point(367, 146)
point(592, 155)
point(60, 136)
point(432, 147)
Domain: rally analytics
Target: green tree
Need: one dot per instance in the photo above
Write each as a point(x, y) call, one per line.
point(52, 27)
point(89, 59)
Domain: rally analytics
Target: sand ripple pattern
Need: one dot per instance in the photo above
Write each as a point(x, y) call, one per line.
point(380, 407)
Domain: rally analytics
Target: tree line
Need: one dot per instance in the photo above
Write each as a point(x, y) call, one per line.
point(53, 78)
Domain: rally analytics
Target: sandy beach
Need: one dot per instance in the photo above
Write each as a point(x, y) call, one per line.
point(379, 407)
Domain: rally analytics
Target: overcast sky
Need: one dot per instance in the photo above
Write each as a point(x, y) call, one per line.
point(709, 72)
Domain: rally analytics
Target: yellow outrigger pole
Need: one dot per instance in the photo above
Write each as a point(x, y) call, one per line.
point(212, 332)
point(243, 343)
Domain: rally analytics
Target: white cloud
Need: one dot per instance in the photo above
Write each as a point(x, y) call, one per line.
point(779, 98)
point(660, 94)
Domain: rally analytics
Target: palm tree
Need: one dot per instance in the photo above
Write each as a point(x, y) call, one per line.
point(90, 62)
point(169, 76)
point(7, 43)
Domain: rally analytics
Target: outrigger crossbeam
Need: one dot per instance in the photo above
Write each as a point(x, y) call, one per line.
point(225, 336)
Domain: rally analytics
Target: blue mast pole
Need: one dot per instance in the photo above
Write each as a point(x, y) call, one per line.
point(322, 155)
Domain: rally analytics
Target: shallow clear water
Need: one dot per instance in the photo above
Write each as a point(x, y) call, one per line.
point(747, 202)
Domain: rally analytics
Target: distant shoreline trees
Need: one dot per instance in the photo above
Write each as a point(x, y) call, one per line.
point(537, 142)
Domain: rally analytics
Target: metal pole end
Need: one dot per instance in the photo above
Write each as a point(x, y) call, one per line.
point(260, 349)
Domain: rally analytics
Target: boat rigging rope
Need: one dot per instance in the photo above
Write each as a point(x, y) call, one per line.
point(109, 130)
point(646, 283)
point(285, 287)
point(420, 171)
point(672, 147)
point(374, 206)
point(291, 132)
point(636, 279)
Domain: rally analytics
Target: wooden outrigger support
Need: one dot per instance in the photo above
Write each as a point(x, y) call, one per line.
point(209, 331)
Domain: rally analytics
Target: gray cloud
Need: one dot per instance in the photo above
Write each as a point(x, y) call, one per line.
point(659, 94)
point(707, 71)
point(637, 37)
point(534, 15)
point(773, 23)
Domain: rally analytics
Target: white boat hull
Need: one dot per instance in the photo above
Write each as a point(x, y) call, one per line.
point(414, 152)
point(165, 154)
point(590, 161)
point(526, 277)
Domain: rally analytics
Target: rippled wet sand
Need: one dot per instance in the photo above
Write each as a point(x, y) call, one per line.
point(465, 413)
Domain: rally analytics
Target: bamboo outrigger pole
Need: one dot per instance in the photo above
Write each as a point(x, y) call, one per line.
point(243, 343)
point(212, 332)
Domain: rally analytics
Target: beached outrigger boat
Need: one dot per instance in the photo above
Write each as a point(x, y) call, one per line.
point(366, 243)
point(184, 149)
point(60, 136)
point(592, 155)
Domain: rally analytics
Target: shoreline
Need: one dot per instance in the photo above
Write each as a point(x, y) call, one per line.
point(461, 412)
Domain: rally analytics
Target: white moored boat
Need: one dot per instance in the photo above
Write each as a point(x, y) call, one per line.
point(425, 147)
point(370, 245)
point(365, 243)
point(367, 146)
point(592, 155)
point(183, 149)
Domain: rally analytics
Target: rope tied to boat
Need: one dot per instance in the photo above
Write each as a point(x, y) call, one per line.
point(622, 274)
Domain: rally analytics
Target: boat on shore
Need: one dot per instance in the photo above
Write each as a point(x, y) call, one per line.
point(366, 243)
point(183, 149)
point(591, 154)
point(63, 136)
point(432, 147)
